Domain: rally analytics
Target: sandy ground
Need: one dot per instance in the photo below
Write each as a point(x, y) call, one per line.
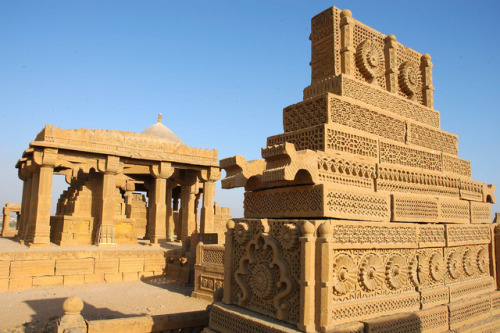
point(37, 309)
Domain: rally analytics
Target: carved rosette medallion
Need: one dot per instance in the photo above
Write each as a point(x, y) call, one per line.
point(482, 260)
point(289, 236)
point(415, 272)
point(409, 78)
point(371, 272)
point(263, 281)
point(344, 274)
point(370, 60)
point(242, 233)
point(396, 272)
point(436, 266)
point(454, 265)
point(469, 263)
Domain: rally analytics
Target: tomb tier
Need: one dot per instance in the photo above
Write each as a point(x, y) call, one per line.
point(365, 143)
point(360, 217)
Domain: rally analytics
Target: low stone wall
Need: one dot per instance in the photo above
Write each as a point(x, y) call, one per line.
point(24, 270)
point(193, 321)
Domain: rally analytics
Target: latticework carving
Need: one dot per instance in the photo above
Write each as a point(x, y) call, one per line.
point(276, 203)
point(480, 212)
point(431, 138)
point(369, 236)
point(351, 143)
point(410, 157)
point(467, 234)
point(366, 119)
point(414, 209)
point(358, 205)
point(457, 211)
point(305, 114)
point(386, 101)
point(311, 138)
point(214, 257)
point(456, 165)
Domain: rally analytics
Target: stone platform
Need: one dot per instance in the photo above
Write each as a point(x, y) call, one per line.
point(23, 268)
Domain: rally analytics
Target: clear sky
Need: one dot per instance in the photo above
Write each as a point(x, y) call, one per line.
point(221, 72)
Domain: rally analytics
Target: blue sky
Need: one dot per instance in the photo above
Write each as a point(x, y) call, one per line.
point(221, 72)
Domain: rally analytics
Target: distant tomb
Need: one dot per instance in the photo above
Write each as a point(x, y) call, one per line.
point(361, 217)
point(104, 168)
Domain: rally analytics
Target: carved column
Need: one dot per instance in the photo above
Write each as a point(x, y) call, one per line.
point(307, 277)
point(23, 174)
point(347, 50)
point(158, 218)
point(28, 232)
point(427, 81)
point(175, 208)
point(170, 226)
point(228, 260)
point(110, 167)
point(40, 232)
point(391, 67)
point(324, 265)
point(197, 198)
point(207, 211)
point(6, 218)
point(188, 190)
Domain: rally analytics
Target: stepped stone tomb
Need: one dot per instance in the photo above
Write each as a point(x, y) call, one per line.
point(361, 216)
point(104, 170)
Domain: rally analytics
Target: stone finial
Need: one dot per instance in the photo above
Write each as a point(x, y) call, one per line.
point(346, 13)
point(72, 321)
point(218, 294)
point(159, 117)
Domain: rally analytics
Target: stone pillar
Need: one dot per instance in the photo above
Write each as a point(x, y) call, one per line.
point(207, 211)
point(6, 218)
point(28, 232)
point(324, 266)
point(427, 81)
point(188, 189)
point(169, 226)
point(391, 68)
point(109, 167)
point(228, 261)
point(308, 267)
point(158, 210)
point(41, 224)
point(347, 50)
point(24, 204)
point(196, 206)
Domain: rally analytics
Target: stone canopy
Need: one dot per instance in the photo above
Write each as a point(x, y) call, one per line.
point(103, 168)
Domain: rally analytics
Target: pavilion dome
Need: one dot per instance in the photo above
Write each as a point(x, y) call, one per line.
point(163, 131)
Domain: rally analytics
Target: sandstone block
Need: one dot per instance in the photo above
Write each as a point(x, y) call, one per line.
point(154, 264)
point(113, 277)
point(4, 269)
point(47, 280)
point(131, 265)
point(106, 265)
point(94, 278)
point(74, 266)
point(20, 283)
point(29, 268)
point(73, 280)
point(130, 276)
point(4, 284)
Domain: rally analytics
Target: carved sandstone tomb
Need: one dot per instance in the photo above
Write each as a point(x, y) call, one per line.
point(103, 169)
point(361, 217)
